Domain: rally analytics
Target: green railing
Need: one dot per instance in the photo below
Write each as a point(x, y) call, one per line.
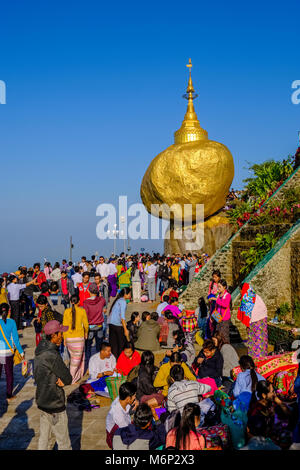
point(281, 242)
point(226, 246)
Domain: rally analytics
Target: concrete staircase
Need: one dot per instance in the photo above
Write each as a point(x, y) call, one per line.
point(222, 259)
point(265, 280)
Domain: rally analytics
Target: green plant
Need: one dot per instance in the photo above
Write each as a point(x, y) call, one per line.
point(266, 175)
point(283, 311)
point(238, 211)
point(263, 244)
point(296, 313)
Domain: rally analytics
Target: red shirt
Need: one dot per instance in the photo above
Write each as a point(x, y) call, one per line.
point(83, 293)
point(40, 278)
point(64, 287)
point(125, 365)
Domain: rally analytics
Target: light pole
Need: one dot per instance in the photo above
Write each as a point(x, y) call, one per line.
point(71, 246)
point(123, 219)
point(115, 234)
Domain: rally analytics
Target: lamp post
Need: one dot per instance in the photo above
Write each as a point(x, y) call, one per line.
point(71, 247)
point(123, 219)
point(115, 233)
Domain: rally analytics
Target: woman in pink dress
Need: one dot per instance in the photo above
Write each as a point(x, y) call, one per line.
point(173, 307)
point(223, 308)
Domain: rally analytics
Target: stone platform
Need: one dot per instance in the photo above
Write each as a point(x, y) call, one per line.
point(19, 421)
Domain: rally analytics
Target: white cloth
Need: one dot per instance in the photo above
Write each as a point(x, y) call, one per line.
point(76, 278)
point(102, 269)
point(111, 269)
point(259, 311)
point(98, 365)
point(160, 308)
point(117, 415)
point(56, 274)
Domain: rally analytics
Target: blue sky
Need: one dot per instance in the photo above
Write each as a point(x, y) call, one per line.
point(94, 92)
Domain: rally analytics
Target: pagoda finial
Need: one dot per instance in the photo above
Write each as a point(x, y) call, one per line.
point(190, 88)
point(190, 129)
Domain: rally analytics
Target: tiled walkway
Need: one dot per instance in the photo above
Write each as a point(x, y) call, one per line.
point(19, 421)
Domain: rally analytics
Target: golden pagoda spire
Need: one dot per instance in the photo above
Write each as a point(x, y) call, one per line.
point(190, 130)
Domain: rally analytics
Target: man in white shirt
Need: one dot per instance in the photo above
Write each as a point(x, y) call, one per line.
point(119, 412)
point(111, 267)
point(102, 364)
point(77, 277)
point(13, 290)
point(102, 268)
point(83, 263)
point(151, 272)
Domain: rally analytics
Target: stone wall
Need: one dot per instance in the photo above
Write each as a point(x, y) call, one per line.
point(250, 231)
point(295, 271)
point(272, 278)
point(278, 271)
point(199, 287)
point(238, 261)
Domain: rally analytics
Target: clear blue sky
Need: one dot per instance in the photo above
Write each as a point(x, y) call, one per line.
point(94, 93)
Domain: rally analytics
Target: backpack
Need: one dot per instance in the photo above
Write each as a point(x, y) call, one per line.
point(58, 310)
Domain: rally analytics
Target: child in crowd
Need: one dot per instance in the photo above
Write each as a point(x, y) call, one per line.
point(133, 325)
point(209, 363)
point(142, 434)
point(247, 379)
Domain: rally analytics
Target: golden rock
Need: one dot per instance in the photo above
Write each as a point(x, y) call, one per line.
point(216, 231)
point(194, 170)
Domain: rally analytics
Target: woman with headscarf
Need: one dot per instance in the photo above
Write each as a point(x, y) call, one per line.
point(253, 314)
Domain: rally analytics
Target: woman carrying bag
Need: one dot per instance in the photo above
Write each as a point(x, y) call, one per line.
point(9, 339)
point(221, 315)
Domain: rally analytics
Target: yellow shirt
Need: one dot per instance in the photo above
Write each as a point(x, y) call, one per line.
point(81, 323)
point(3, 296)
point(175, 271)
point(161, 379)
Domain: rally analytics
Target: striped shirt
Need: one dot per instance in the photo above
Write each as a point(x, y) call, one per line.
point(183, 392)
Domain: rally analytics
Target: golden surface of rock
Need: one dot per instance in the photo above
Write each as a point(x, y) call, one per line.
point(194, 170)
point(216, 232)
point(198, 172)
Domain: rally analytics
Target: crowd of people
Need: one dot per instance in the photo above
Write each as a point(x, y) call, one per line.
point(201, 394)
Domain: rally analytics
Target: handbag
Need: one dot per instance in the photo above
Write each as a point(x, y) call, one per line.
point(113, 384)
point(217, 316)
point(17, 356)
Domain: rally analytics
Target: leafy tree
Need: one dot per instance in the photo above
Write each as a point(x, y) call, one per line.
point(263, 244)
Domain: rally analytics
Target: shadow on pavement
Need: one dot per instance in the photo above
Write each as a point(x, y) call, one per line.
point(17, 435)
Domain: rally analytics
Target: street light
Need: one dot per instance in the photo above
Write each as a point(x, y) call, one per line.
point(123, 219)
point(115, 233)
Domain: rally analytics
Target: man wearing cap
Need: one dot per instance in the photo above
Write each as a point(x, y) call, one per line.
point(51, 375)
